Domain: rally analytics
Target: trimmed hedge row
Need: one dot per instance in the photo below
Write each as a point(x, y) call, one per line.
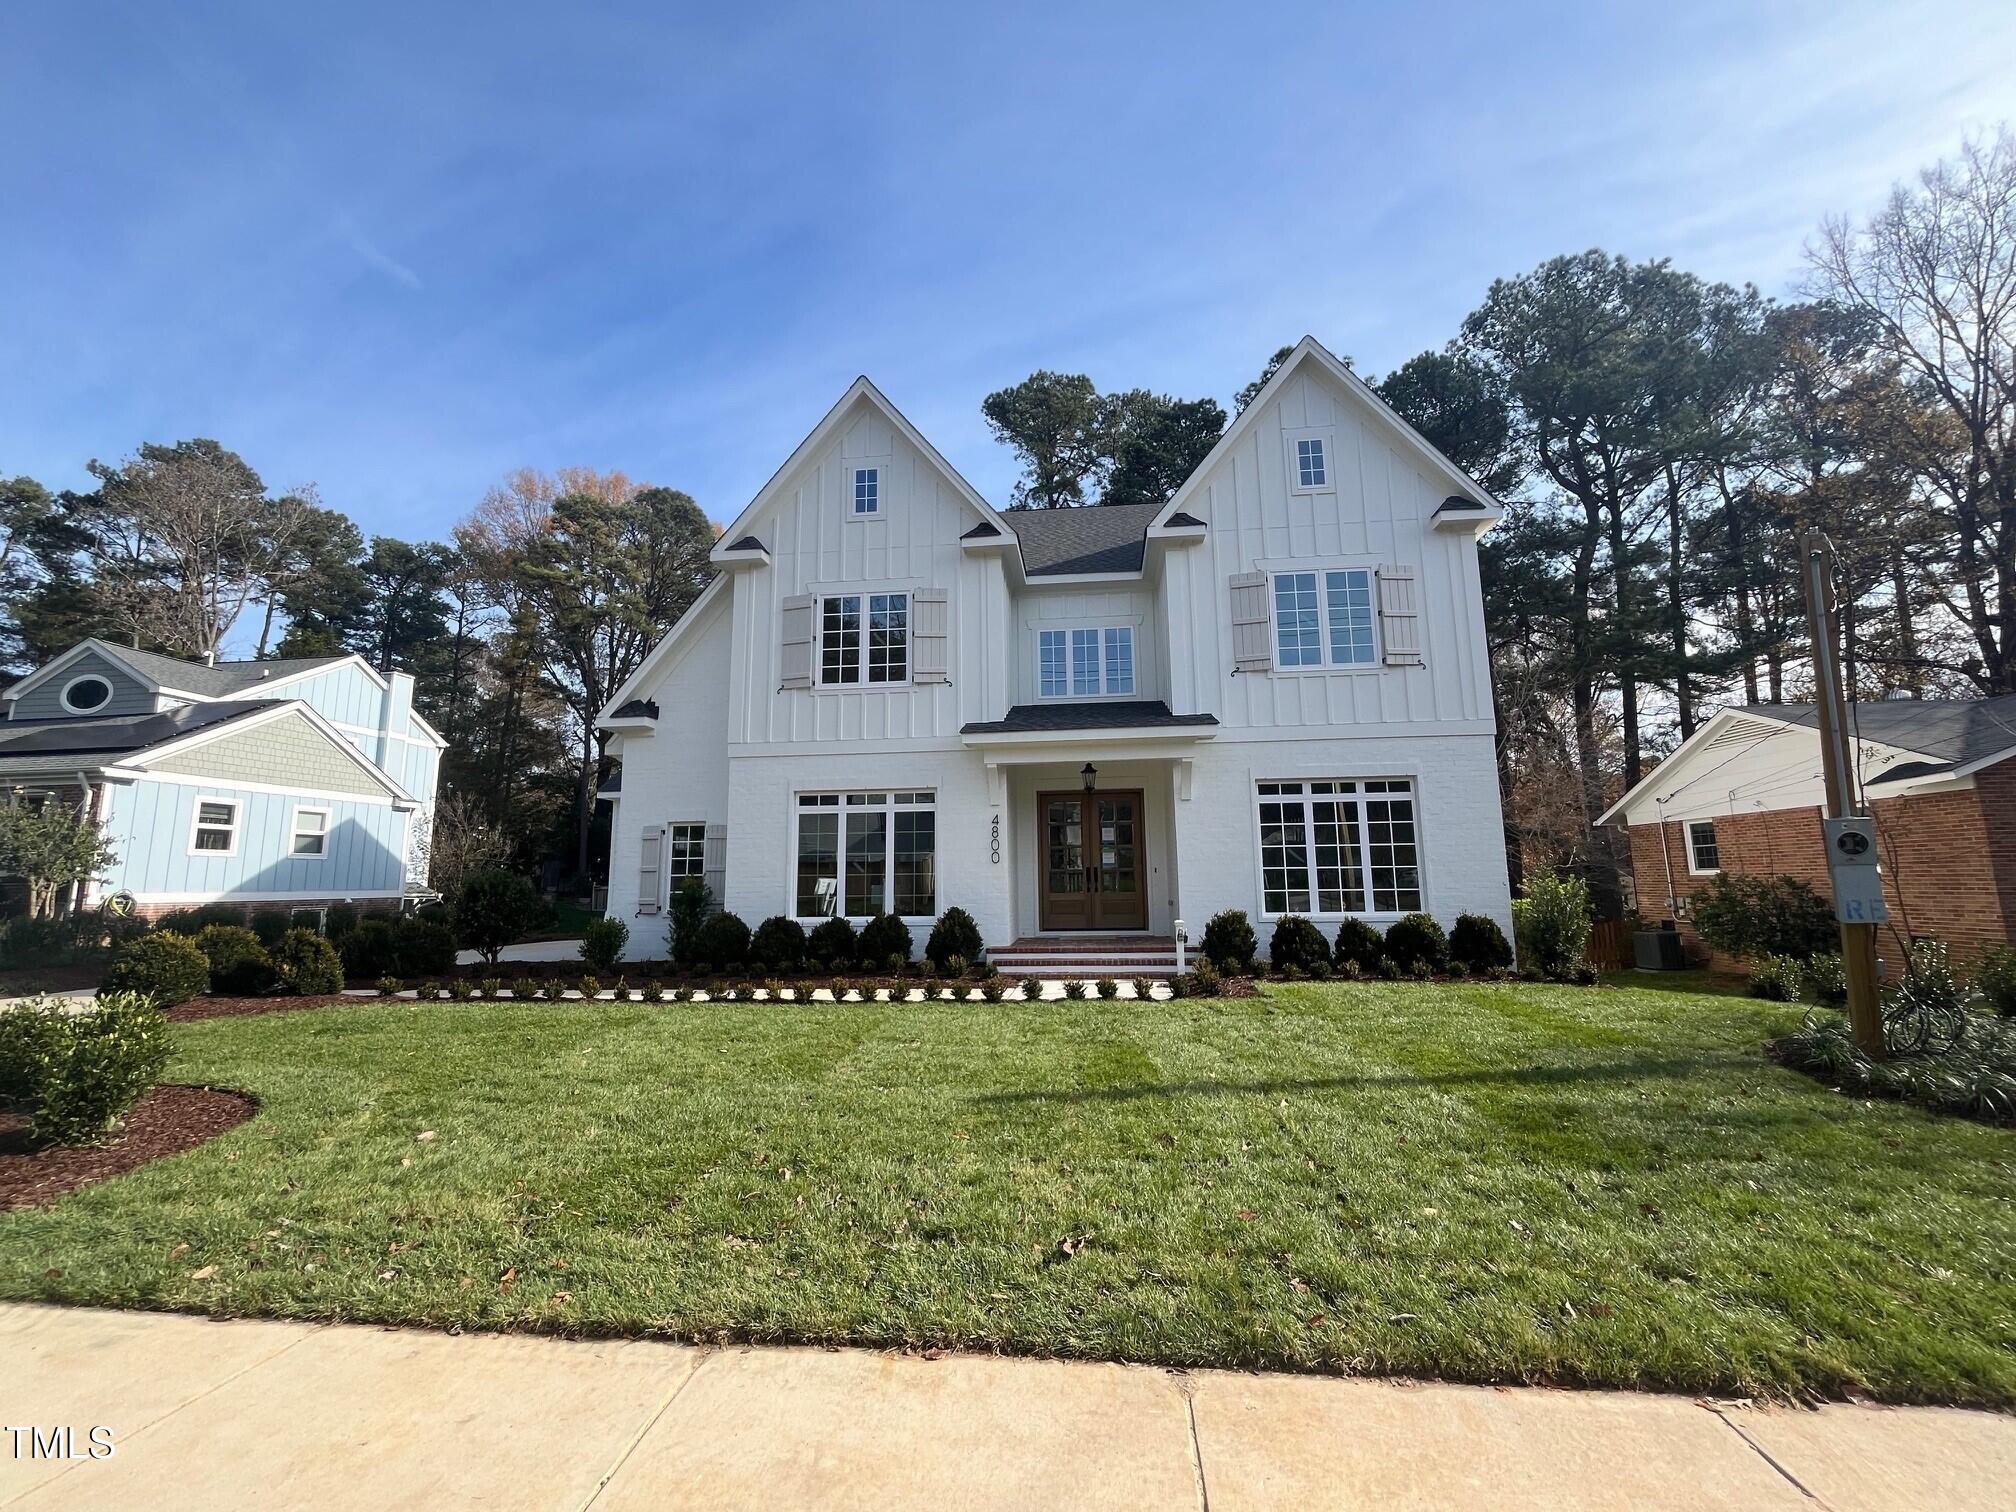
point(1413, 946)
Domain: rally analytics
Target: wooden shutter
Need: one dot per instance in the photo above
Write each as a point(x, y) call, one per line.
point(650, 869)
point(1399, 616)
point(930, 637)
point(796, 636)
point(1252, 634)
point(714, 864)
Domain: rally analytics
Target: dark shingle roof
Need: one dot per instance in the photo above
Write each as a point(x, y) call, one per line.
point(747, 543)
point(1095, 538)
point(122, 736)
point(983, 531)
point(220, 680)
point(1184, 520)
point(1134, 714)
point(611, 785)
point(1955, 731)
point(638, 708)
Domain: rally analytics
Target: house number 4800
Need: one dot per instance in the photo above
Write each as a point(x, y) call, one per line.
point(994, 843)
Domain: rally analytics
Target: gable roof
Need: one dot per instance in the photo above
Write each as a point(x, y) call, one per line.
point(173, 674)
point(859, 390)
point(1948, 737)
point(1311, 351)
point(633, 687)
point(1089, 538)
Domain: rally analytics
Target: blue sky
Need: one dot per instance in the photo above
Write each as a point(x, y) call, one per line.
point(400, 250)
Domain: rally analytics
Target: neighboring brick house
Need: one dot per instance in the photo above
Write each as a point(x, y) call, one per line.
point(1744, 795)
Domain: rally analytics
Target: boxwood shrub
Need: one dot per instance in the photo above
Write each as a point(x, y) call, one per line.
point(1413, 941)
point(602, 942)
point(239, 964)
point(779, 943)
point(833, 942)
point(723, 940)
point(164, 966)
point(1359, 945)
point(306, 964)
point(75, 1074)
point(422, 946)
point(1297, 944)
point(1479, 944)
point(955, 934)
point(371, 949)
point(885, 937)
point(1229, 942)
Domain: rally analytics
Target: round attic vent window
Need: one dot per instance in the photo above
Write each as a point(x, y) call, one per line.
point(83, 694)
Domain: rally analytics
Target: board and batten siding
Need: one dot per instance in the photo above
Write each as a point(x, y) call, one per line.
point(129, 694)
point(912, 545)
point(1083, 609)
point(1377, 512)
point(287, 751)
point(149, 825)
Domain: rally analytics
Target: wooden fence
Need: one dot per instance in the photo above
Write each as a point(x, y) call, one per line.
point(1610, 944)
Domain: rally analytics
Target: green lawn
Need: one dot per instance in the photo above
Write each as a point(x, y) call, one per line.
point(1483, 1182)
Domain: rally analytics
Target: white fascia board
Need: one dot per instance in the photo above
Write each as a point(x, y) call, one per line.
point(1672, 766)
point(1309, 349)
point(859, 389)
point(658, 655)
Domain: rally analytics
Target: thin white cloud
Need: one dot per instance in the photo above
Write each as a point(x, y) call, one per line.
point(374, 255)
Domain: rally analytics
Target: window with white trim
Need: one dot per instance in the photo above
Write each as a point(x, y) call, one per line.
point(215, 829)
point(86, 694)
point(1324, 619)
point(1333, 846)
point(867, 491)
point(1704, 855)
point(1089, 662)
point(310, 838)
point(864, 637)
point(1311, 466)
point(862, 854)
point(685, 852)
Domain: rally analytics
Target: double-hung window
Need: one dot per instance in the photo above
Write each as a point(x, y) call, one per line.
point(864, 637)
point(685, 852)
point(867, 491)
point(311, 834)
point(1092, 662)
point(1324, 619)
point(215, 830)
point(862, 854)
point(1704, 855)
point(1338, 847)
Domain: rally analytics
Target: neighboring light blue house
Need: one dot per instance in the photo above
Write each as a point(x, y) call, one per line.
point(291, 784)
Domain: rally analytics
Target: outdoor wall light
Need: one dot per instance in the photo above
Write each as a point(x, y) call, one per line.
point(1091, 775)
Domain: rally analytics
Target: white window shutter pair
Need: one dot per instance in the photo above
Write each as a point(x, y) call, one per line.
point(650, 869)
point(930, 636)
point(714, 864)
point(1252, 642)
point(1400, 616)
point(797, 642)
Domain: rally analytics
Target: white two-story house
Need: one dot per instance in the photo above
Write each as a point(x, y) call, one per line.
point(1270, 693)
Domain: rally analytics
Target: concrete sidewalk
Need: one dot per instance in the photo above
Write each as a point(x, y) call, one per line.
point(219, 1415)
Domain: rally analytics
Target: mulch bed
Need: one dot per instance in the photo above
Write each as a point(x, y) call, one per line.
point(197, 1009)
point(166, 1121)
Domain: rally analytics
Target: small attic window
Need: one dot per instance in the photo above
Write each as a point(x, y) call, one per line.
point(867, 491)
point(1310, 469)
point(83, 695)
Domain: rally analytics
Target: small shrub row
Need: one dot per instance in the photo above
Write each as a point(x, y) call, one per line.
point(1412, 946)
point(1203, 982)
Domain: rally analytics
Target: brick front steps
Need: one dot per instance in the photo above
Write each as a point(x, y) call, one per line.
point(1089, 955)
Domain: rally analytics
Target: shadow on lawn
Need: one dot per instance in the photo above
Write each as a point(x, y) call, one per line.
point(1542, 1076)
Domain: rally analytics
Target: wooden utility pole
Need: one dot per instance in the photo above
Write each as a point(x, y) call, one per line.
point(1858, 941)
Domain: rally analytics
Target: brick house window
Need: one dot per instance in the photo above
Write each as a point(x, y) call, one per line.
point(1703, 856)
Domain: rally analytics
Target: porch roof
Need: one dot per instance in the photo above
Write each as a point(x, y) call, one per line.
point(1145, 716)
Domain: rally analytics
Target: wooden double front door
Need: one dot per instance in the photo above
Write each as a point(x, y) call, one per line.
point(1090, 847)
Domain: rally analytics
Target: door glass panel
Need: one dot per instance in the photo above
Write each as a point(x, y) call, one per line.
point(1066, 846)
point(1118, 865)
